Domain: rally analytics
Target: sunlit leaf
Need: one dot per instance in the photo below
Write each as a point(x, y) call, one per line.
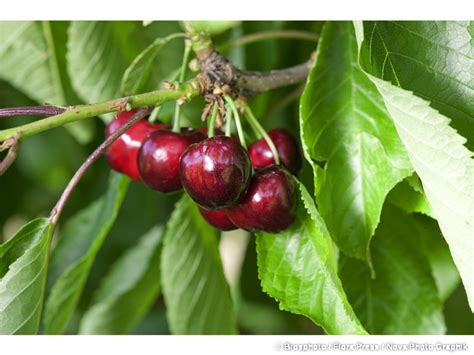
point(128, 290)
point(444, 165)
point(298, 268)
point(344, 123)
point(434, 59)
point(196, 293)
point(23, 270)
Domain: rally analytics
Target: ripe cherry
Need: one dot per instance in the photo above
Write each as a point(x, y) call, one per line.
point(287, 147)
point(217, 219)
point(122, 154)
point(215, 172)
point(269, 203)
point(158, 159)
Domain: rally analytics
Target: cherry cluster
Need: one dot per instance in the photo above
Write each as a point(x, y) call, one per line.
point(232, 187)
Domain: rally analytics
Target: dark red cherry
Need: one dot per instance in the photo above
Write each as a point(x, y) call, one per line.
point(269, 203)
point(158, 159)
point(286, 145)
point(122, 154)
point(215, 172)
point(217, 219)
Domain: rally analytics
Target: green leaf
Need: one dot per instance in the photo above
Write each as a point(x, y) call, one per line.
point(443, 268)
point(197, 296)
point(56, 32)
point(403, 298)
point(443, 163)
point(78, 244)
point(344, 123)
point(214, 27)
point(23, 270)
point(128, 290)
point(407, 198)
point(298, 268)
point(434, 59)
point(28, 61)
point(138, 73)
point(98, 54)
point(33, 59)
point(446, 169)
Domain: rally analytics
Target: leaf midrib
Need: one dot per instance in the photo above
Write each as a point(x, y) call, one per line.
point(53, 62)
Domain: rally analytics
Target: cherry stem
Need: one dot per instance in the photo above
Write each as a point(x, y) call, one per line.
point(238, 124)
point(228, 122)
point(182, 74)
point(154, 114)
point(59, 207)
point(212, 121)
point(255, 130)
point(31, 111)
point(256, 125)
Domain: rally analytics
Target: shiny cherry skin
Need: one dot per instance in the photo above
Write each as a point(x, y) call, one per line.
point(158, 159)
point(287, 147)
point(218, 219)
point(215, 172)
point(122, 154)
point(269, 203)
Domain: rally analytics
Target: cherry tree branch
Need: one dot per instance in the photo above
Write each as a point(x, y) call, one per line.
point(75, 113)
point(217, 72)
point(59, 207)
point(217, 69)
point(255, 82)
